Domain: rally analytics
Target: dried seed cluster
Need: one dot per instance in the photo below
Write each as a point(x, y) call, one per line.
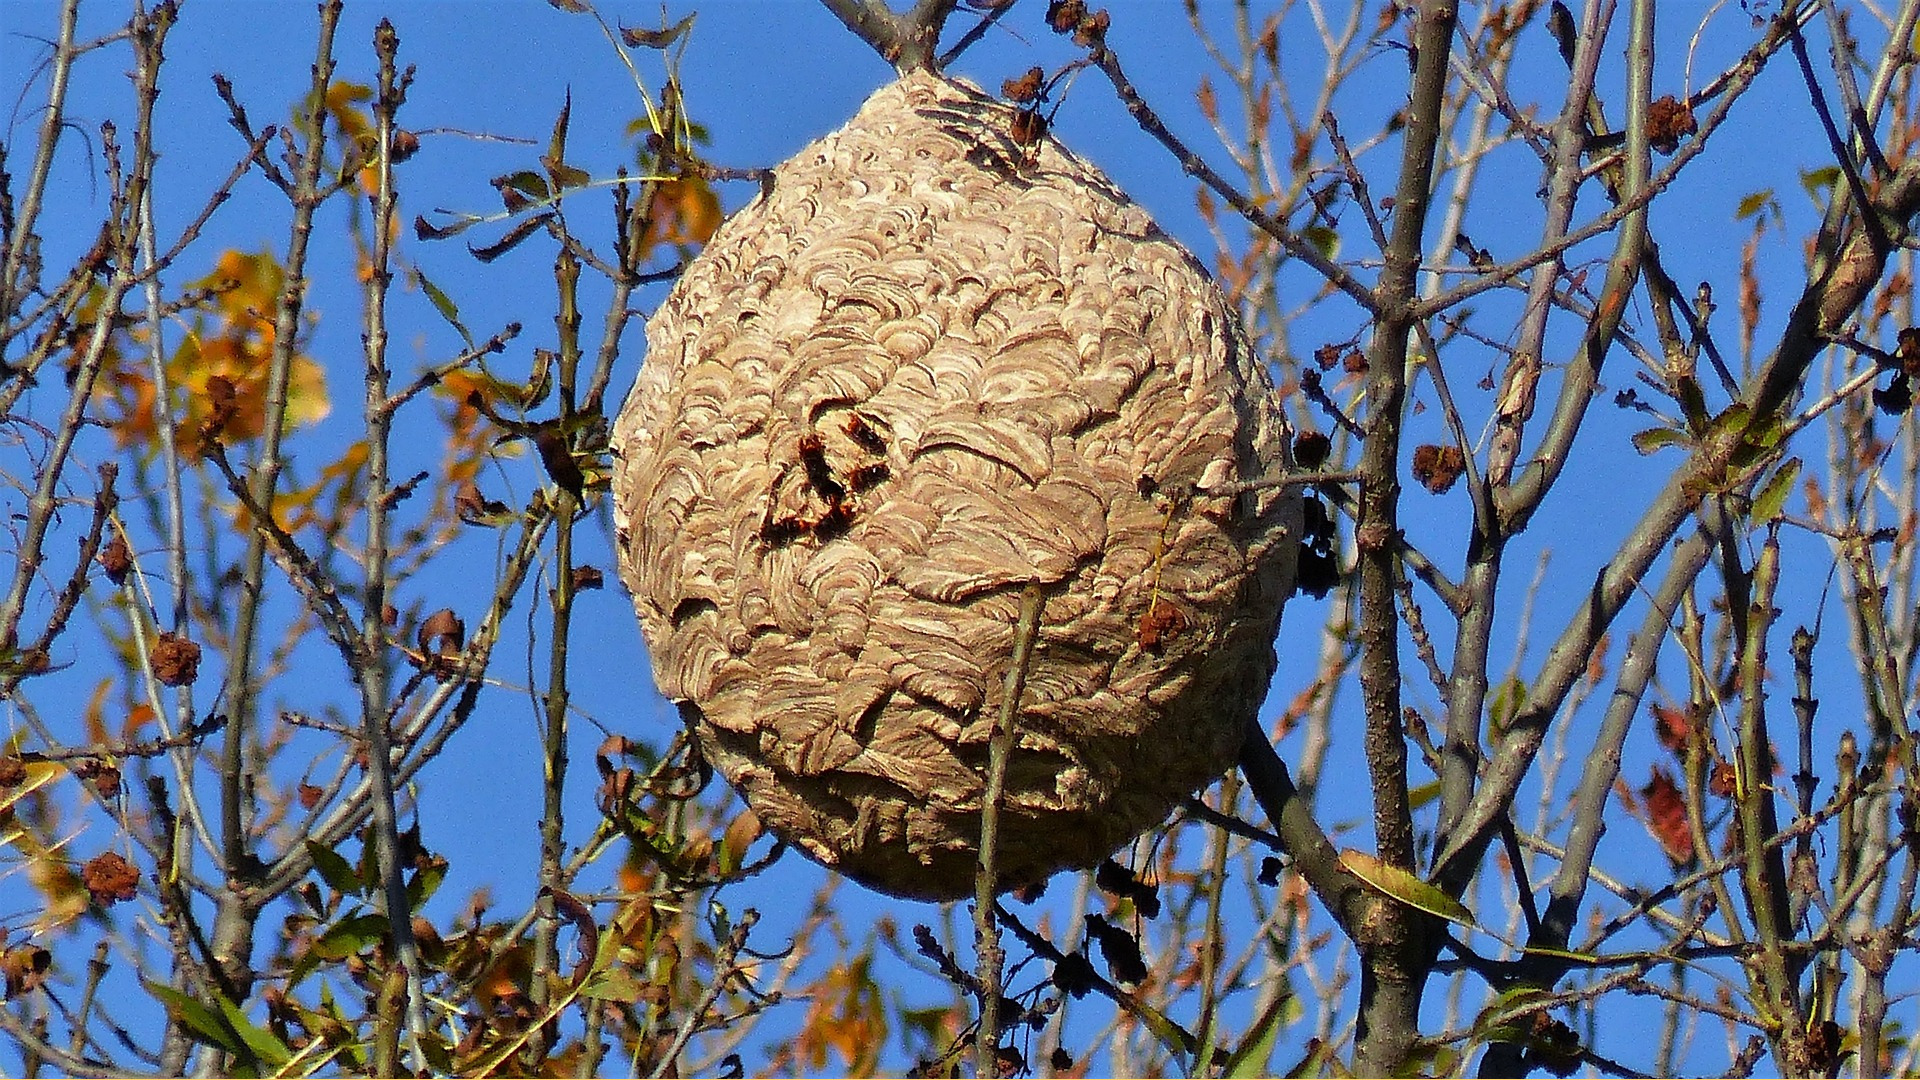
point(931, 364)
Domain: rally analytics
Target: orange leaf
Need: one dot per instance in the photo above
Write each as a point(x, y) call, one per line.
point(848, 1016)
point(96, 711)
point(685, 212)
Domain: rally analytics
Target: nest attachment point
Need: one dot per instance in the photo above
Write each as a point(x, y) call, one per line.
point(935, 361)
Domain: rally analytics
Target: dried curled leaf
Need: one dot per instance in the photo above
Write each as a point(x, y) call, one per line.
point(176, 661)
point(440, 638)
point(1437, 467)
point(110, 878)
point(23, 967)
point(663, 38)
point(928, 366)
point(1024, 89)
point(1668, 121)
point(1119, 949)
point(116, 559)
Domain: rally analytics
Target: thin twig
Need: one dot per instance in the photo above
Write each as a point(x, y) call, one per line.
point(53, 120)
point(975, 32)
point(1200, 811)
point(373, 674)
point(989, 956)
point(727, 968)
point(1296, 245)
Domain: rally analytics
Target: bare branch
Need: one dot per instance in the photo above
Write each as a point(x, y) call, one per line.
point(908, 41)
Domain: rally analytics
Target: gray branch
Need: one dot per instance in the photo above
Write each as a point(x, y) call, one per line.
point(909, 41)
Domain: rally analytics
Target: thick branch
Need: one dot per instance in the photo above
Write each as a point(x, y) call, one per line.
point(910, 41)
point(234, 922)
point(1311, 853)
point(1397, 955)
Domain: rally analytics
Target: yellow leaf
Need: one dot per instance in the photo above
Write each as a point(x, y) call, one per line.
point(297, 508)
point(237, 344)
point(1394, 882)
point(50, 872)
point(343, 99)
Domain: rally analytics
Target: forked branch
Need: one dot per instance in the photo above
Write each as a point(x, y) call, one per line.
point(909, 41)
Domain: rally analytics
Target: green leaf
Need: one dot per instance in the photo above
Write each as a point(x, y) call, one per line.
point(438, 1053)
point(1753, 204)
point(1734, 417)
point(425, 883)
point(270, 1051)
point(1818, 182)
point(349, 936)
point(1250, 1059)
point(317, 1055)
point(1655, 438)
point(1403, 886)
point(1168, 1032)
point(1506, 1004)
point(335, 870)
point(541, 381)
point(1693, 404)
point(443, 304)
point(1772, 497)
point(1759, 438)
point(616, 984)
point(1746, 456)
point(1323, 239)
point(566, 176)
point(519, 190)
point(1507, 1031)
point(1586, 958)
point(1422, 795)
point(1765, 432)
point(1506, 702)
point(202, 1022)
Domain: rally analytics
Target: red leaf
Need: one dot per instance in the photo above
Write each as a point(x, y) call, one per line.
point(1667, 816)
point(1672, 727)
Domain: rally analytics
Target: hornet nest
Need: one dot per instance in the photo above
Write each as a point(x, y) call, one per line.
point(935, 361)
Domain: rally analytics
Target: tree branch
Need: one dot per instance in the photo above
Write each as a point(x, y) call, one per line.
point(907, 41)
point(1396, 948)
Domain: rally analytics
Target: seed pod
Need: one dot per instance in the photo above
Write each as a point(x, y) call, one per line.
point(1016, 346)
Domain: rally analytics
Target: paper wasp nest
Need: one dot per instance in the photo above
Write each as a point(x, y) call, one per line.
point(928, 366)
